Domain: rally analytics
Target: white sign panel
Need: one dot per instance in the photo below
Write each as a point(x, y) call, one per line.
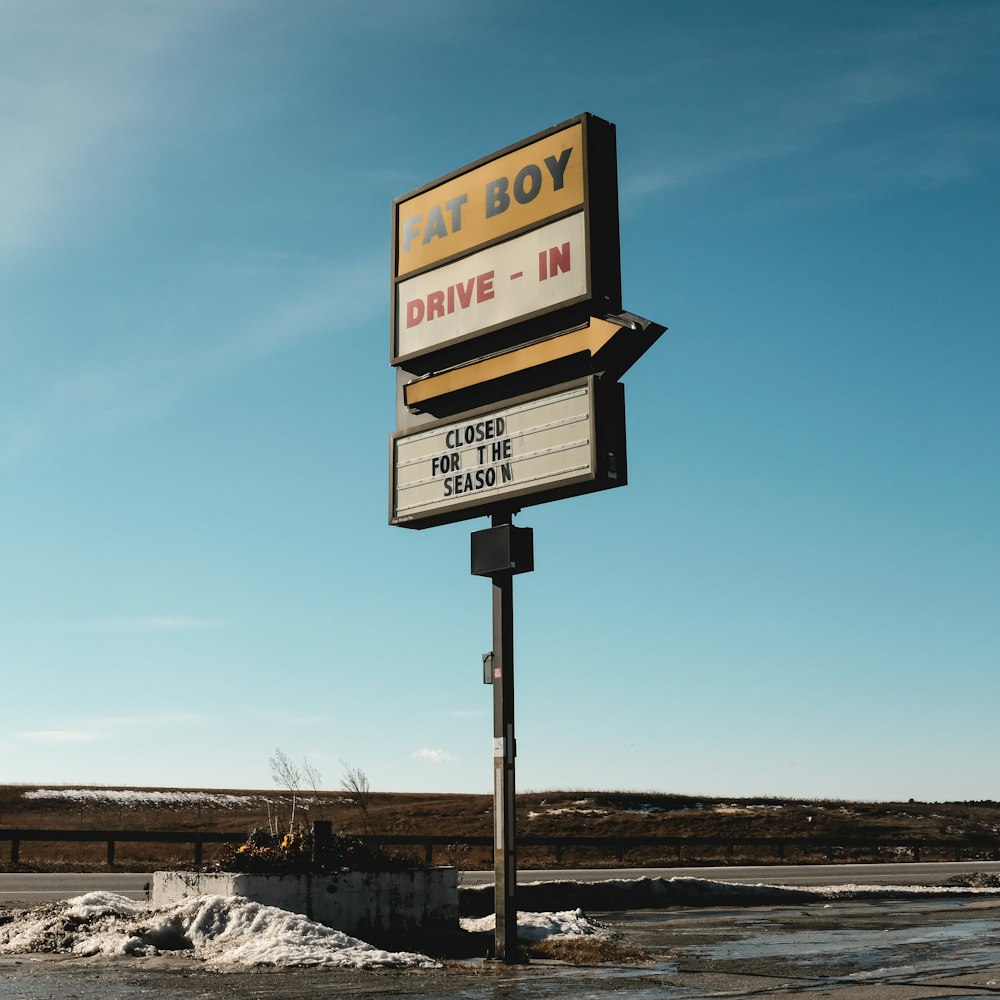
point(522, 448)
point(530, 274)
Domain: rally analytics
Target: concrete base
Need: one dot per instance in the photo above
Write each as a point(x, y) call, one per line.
point(393, 902)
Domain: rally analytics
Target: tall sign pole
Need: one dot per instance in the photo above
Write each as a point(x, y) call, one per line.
point(504, 754)
point(508, 338)
point(501, 552)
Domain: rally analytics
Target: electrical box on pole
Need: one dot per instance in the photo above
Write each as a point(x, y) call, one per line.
point(504, 549)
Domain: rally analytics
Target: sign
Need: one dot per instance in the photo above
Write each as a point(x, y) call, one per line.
point(602, 345)
point(508, 337)
point(530, 274)
point(527, 231)
point(561, 442)
point(507, 331)
point(488, 203)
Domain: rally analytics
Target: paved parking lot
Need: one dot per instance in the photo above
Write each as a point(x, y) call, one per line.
point(892, 950)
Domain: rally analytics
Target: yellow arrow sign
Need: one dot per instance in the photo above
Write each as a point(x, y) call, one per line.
point(591, 339)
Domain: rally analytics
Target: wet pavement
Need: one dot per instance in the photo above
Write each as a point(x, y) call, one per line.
point(892, 950)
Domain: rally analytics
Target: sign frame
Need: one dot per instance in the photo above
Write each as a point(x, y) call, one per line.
point(608, 459)
point(599, 205)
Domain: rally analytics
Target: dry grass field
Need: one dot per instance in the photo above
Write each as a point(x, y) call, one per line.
point(560, 813)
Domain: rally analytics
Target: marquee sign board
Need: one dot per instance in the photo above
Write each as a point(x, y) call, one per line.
point(531, 274)
point(455, 279)
point(507, 332)
point(543, 446)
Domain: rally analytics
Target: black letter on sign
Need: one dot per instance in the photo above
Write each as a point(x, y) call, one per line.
point(497, 198)
point(558, 168)
point(522, 193)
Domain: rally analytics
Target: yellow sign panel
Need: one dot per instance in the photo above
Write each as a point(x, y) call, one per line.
point(519, 189)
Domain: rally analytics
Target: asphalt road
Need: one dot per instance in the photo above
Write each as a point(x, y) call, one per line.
point(40, 888)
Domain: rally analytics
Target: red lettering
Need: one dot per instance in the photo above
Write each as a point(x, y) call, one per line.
point(465, 293)
point(414, 312)
point(484, 286)
point(552, 261)
point(558, 259)
point(435, 305)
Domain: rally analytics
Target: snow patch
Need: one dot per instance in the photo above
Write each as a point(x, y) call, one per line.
point(578, 807)
point(223, 931)
point(229, 931)
point(145, 797)
point(536, 926)
point(643, 893)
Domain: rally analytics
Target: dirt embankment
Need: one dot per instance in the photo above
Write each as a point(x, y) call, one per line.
point(549, 814)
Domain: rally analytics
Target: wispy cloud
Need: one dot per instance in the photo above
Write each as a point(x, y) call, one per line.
point(72, 79)
point(286, 718)
point(107, 728)
point(88, 97)
point(434, 756)
point(139, 384)
point(337, 296)
point(956, 152)
point(844, 113)
point(58, 736)
point(148, 623)
point(144, 719)
point(698, 167)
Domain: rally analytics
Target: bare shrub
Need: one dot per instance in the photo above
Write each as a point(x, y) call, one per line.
point(355, 783)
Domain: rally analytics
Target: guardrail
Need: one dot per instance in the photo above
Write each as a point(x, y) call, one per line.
point(113, 837)
point(777, 847)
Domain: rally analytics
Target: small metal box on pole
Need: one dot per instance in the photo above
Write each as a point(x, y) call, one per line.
point(503, 549)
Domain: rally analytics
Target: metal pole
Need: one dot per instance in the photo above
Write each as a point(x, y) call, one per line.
point(504, 750)
point(504, 835)
point(502, 552)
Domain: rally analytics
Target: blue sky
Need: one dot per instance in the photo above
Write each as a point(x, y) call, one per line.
point(797, 594)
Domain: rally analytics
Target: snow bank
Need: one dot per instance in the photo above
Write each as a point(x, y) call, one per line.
point(649, 893)
point(230, 931)
point(536, 926)
point(224, 931)
point(144, 797)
